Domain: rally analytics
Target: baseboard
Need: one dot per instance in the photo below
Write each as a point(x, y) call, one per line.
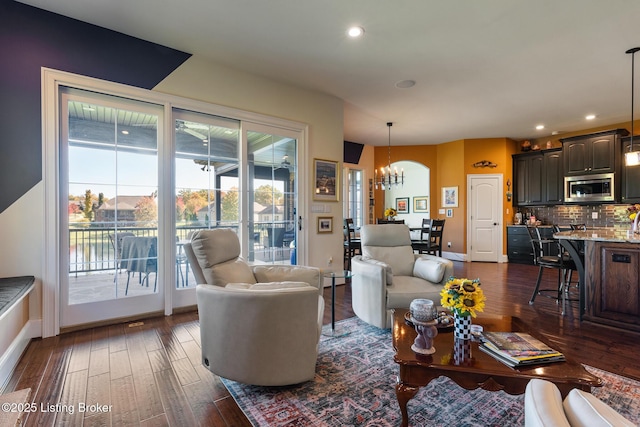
point(9, 360)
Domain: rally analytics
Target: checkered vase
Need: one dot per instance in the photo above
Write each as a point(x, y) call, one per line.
point(461, 326)
point(462, 352)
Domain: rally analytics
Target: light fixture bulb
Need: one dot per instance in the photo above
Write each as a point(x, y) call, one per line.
point(355, 32)
point(590, 117)
point(540, 127)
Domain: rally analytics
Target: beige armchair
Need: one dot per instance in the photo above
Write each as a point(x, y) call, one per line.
point(389, 275)
point(258, 325)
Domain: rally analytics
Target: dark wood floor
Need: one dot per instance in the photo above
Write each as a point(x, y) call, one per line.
point(151, 374)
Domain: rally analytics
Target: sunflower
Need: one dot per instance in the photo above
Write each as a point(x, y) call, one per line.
point(390, 212)
point(463, 296)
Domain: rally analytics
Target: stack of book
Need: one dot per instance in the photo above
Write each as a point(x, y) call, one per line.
point(518, 349)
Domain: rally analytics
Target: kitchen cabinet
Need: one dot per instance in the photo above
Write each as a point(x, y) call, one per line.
point(613, 284)
point(527, 172)
point(630, 175)
point(519, 249)
point(593, 153)
point(553, 177)
point(538, 178)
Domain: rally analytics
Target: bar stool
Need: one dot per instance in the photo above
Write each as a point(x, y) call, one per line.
point(548, 254)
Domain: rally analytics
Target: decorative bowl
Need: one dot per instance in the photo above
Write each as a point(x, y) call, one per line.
point(423, 310)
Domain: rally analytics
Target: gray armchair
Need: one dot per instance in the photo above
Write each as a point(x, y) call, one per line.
point(389, 275)
point(258, 325)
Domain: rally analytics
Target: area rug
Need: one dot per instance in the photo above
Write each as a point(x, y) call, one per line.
point(355, 386)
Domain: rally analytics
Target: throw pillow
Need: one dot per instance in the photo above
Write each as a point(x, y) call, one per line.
point(234, 271)
point(430, 270)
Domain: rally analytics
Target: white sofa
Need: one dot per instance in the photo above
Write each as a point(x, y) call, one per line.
point(389, 275)
point(544, 407)
point(258, 325)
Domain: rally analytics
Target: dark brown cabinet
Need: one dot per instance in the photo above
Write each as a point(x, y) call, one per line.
point(553, 177)
point(519, 249)
point(613, 284)
point(593, 153)
point(527, 170)
point(538, 178)
point(630, 175)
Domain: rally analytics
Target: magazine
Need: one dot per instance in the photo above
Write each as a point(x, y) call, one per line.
point(518, 348)
point(514, 362)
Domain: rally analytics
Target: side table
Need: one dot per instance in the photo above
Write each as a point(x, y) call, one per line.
point(333, 275)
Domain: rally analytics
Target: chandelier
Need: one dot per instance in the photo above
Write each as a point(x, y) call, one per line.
point(385, 179)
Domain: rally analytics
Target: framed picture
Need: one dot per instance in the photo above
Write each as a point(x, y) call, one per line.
point(325, 177)
point(449, 213)
point(449, 197)
point(402, 205)
point(421, 204)
point(325, 224)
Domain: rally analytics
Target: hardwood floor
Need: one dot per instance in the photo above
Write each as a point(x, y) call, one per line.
point(150, 374)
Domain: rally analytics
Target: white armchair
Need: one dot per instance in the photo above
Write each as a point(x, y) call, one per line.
point(258, 325)
point(389, 275)
point(544, 407)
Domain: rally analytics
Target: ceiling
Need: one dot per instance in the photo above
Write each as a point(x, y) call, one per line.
point(483, 68)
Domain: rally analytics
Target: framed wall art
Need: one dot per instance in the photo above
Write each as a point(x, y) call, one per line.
point(326, 179)
point(449, 213)
point(325, 224)
point(449, 197)
point(421, 204)
point(402, 205)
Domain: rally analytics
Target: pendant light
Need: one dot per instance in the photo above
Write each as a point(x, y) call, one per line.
point(632, 158)
point(387, 178)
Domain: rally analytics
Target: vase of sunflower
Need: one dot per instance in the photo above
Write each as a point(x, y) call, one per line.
point(390, 213)
point(464, 298)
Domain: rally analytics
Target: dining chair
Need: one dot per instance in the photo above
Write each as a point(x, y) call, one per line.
point(422, 244)
point(435, 237)
point(352, 245)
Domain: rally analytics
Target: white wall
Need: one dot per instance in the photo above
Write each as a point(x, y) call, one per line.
point(416, 183)
point(207, 81)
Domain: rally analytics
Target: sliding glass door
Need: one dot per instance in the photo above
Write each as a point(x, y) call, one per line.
point(129, 181)
point(272, 202)
point(207, 185)
point(109, 189)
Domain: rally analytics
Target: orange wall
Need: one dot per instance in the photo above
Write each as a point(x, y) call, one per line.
point(450, 163)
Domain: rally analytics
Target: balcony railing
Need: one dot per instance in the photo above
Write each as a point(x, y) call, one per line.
point(92, 250)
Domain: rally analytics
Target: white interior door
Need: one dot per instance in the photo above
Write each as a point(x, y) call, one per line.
point(485, 207)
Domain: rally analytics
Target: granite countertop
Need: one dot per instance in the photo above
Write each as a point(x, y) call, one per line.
point(617, 235)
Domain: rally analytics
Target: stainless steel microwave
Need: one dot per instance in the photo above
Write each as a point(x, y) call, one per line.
point(589, 188)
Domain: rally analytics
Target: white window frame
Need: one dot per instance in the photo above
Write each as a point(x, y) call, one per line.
point(51, 81)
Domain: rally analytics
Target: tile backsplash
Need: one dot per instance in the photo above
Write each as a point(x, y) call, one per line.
point(607, 215)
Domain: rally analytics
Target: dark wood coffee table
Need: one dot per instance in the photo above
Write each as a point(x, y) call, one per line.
point(471, 368)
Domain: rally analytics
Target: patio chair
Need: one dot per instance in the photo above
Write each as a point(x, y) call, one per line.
point(116, 242)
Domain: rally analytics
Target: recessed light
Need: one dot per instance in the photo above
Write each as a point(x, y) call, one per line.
point(355, 32)
point(590, 117)
point(540, 127)
point(404, 84)
point(125, 132)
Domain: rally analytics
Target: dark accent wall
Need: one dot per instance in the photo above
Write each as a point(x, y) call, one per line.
point(352, 152)
point(31, 38)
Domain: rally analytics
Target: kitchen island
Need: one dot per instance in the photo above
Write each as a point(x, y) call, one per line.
point(608, 261)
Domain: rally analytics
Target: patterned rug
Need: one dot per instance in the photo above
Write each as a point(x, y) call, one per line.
point(355, 386)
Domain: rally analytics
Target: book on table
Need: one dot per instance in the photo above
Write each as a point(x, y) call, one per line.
point(518, 349)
